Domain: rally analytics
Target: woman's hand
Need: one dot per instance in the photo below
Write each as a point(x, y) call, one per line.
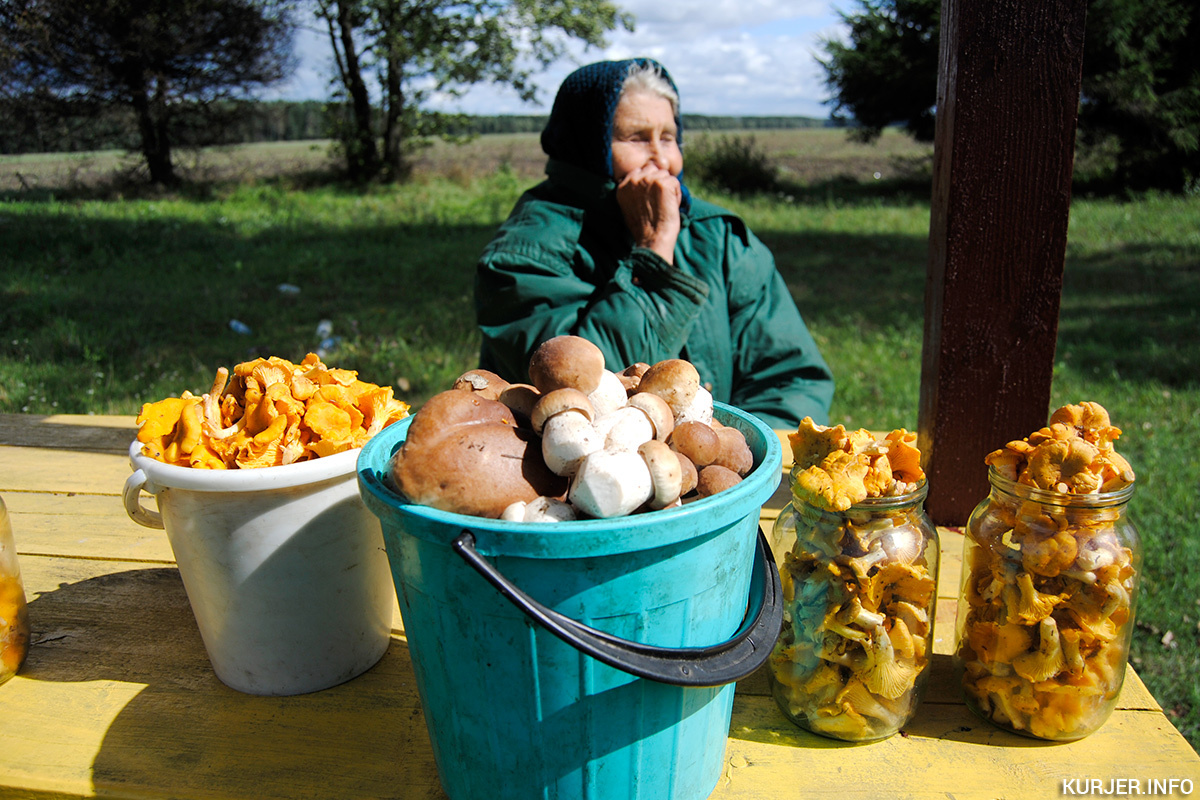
point(649, 198)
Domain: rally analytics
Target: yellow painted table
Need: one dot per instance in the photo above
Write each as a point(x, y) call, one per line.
point(117, 698)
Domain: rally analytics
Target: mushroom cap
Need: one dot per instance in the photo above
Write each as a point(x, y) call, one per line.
point(556, 402)
point(521, 398)
point(674, 380)
point(690, 474)
point(715, 478)
point(665, 471)
point(734, 452)
point(631, 376)
point(476, 469)
point(482, 382)
point(660, 414)
point(452, 408)
point(566, 361)
point(697, 441)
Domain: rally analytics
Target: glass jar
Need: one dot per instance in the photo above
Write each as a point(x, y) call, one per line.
point(1045, 608)
point(860, 588)
point(14, 619)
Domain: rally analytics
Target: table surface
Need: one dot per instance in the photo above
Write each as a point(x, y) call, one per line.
point(117, 698)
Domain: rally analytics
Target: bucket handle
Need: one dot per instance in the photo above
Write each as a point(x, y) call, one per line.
point(715, 665)
point(133, 505)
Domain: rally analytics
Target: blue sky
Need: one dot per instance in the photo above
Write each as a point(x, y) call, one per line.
point(728, 57)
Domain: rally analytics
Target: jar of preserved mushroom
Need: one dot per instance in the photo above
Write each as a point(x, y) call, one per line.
point(860, 587)
point(1046, 607)
point(14, 619)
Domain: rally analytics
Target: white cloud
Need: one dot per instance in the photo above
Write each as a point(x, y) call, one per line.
point(728, 57)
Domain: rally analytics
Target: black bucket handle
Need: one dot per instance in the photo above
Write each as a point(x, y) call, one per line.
point(715, 665)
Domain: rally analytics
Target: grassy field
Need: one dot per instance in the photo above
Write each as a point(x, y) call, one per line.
point(113, 296)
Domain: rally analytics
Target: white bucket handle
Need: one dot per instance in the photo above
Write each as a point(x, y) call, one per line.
point(133, 505)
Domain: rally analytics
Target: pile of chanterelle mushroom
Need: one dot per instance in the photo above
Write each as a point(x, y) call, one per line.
point(578, 441)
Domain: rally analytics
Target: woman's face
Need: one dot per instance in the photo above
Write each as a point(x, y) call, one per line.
point(643, 133)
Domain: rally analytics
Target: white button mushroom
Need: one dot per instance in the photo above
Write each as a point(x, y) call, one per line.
point(609, 395)
point(568, 438)
point(611, 484)
point(624, 429)
point(698, 409)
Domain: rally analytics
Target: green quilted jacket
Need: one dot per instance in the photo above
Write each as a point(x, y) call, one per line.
point(564, 262)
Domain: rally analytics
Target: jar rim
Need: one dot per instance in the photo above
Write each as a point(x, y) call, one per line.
point(1088, 500)
point(885, 502)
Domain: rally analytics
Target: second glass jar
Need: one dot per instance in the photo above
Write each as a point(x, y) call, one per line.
point(860, 588)
point(1046, 608)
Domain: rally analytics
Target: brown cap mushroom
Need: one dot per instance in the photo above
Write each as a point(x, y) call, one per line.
point(471, 464)
point(674, 380)
point(631, 376)
point(521, 398)
point(556, 402)
point(734, 453)
point(715, 478)
point(697, 441)
point(566, 361)
point(658, 411)
point(690, 475)
point(482, 382)
point(665, 472)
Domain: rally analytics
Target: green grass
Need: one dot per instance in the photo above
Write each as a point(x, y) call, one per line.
point(109, 303)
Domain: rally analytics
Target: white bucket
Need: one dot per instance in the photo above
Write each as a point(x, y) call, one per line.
point(284, 567)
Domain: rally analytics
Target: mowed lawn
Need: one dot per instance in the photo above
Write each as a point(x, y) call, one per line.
point(113, 296)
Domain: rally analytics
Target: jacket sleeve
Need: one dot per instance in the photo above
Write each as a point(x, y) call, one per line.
point(531, 288)
point(779, 373)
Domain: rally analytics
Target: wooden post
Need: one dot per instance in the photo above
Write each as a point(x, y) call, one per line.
point(1008, 94)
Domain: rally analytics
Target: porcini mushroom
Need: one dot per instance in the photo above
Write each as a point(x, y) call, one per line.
point(697, 441)
point(665, 472)
point(674, 380)
point(611, 483)
point(482, 382)
point(609, 394)
point(566, 361)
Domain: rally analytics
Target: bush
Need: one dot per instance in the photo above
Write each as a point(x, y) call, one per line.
point(733, 163)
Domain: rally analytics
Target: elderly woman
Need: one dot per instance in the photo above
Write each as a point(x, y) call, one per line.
point(612, 247)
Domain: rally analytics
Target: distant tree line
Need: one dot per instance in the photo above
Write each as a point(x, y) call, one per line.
point(22, 130)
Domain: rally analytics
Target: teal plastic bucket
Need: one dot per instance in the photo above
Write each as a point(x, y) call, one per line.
point(615, 678)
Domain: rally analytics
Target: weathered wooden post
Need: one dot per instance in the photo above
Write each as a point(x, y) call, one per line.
point(1008, 95)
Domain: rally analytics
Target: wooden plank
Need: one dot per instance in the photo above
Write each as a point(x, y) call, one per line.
point(96, 433)
point(118, 698)
point(28, 469)
point(944, 752)
point(1008, 90)
point(84, 526)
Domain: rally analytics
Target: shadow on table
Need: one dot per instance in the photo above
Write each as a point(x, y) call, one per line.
point(942, 715)
point(187, 733)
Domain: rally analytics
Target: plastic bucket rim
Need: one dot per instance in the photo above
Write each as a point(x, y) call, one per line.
point(496, 537)
point(160, 475)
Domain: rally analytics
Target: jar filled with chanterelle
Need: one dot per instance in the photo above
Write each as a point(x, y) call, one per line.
point(14, 619)
point(859, 572)
point(1051, 564)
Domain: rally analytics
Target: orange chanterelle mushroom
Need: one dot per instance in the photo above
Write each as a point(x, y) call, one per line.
point(1042, 637)
point(859, 585)
point(270, 413)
